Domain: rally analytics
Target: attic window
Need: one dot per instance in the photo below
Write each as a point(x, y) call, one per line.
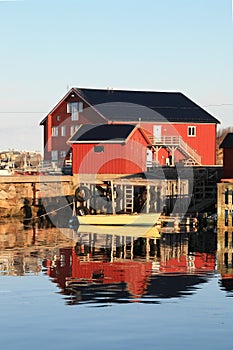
point(73, 108)
point(80, 107)
point(98, 149)
point(191, 131)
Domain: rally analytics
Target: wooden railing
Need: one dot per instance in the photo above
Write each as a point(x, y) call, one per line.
point(177, 141)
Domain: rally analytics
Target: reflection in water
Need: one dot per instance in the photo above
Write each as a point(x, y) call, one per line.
point(225, 259)
point(102, 268)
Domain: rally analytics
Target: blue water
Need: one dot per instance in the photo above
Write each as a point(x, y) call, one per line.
point(179, 310)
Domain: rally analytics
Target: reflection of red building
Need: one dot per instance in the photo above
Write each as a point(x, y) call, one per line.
point(69, 265)
point(127, 276)
point(196, 262)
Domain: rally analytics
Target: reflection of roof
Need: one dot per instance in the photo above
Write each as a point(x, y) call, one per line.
point(173, 286)
point(158, 287)
point(227, 283)
point(228, 141)
point(123, 105)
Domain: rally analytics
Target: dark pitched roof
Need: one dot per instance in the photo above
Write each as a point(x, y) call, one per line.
point(228, 141)
point(124, 105)
point(115, 133)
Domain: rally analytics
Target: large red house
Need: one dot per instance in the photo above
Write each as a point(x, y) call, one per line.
point(179, 130)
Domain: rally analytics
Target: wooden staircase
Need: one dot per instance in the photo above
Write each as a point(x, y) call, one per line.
point(177, 143)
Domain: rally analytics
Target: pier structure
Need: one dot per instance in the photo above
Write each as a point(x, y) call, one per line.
point(146, 193)
point(162, 189)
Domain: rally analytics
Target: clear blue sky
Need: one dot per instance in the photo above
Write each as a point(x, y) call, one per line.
point(163, 45)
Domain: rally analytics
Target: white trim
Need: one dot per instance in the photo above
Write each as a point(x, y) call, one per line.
point(97, 142)
point(74, 90)
point(53, 133)
point(192, 128)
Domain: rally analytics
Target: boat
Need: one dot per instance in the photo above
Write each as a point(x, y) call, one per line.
point(127, 224)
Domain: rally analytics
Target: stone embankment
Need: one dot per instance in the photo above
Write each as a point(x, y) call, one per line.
point(14, 190)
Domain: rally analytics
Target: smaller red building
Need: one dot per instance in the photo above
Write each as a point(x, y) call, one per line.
point(109, 149)
point(227, 146)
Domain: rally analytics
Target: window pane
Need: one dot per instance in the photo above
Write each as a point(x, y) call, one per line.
point(74, 107)
point(226, 195)
point(80, 106)
point(54, 155)
point(73, 128)
point(54, 131)
point(63, 131)
point(226, 239)
point(192, 131)
point(69, 107)
point(98, 149)
point(62, 154)
point(74, 116)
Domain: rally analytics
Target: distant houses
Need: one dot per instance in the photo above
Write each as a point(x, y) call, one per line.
point(168, 126)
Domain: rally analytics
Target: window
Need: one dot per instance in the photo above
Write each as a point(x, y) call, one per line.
point(73, 128)
point(69, 107)
point(226, 239)
point(73, 108)
point(62, 154)
point(58, 118)
point(54, 155)
point(63, 130)
point(226, 217)
point(191, 131)
point(80, 107)
point(98, 149)
point(55, 131)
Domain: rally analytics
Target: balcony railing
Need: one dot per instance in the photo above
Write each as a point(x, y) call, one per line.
point(176, 141)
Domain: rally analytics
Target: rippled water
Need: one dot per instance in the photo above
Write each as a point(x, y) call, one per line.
point(61, 289)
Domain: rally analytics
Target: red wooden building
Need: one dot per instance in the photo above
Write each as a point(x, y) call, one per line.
point(227, 146)
point(179, 129)
point(109, 149)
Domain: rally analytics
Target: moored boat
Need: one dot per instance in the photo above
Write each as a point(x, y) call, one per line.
point(127, 224)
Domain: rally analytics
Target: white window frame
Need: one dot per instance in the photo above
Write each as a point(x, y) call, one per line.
point(192, 131)
point(69, 107)
point(58, 118)
point(55, 131)
point(63, 130)
point(54, 155)
point(73, 108)
point(73, 128)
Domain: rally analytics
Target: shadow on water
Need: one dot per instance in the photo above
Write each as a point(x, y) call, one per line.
point(103, 269)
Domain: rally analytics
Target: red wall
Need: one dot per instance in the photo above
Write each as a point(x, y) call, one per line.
point(228, 163)
point(116, 159)
point(134, 273)
point(204, 142)
point(88, 116)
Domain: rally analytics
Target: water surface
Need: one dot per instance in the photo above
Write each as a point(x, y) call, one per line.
point(62, 289)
